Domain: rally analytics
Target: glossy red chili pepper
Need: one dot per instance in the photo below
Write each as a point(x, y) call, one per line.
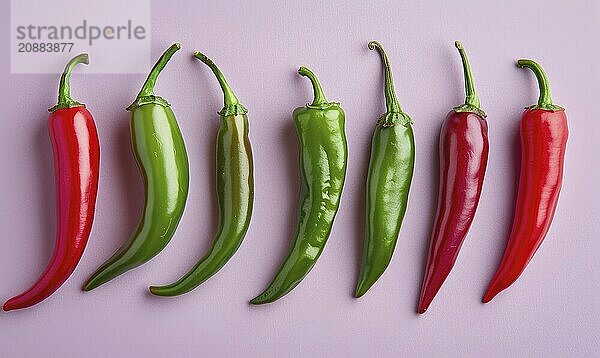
point(464, 151)
point(76, 164)
point(544, 133)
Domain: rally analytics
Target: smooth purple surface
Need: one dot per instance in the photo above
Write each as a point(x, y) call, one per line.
point(552, 310)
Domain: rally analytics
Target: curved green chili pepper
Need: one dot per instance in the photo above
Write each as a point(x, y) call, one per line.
point(323, 157)
point(388, 182)
point(161, 156)
point(235, 191)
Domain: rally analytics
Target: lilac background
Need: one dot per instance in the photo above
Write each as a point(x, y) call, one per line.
point(553, 308)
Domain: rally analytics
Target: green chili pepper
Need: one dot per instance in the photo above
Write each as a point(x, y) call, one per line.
point(323, 157)
point(388, 182)
point(161, 156)
point(235, 191)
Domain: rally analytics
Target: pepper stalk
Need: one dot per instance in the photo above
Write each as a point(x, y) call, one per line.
point(394, 114)
point(319, 101)
point(545, 100)
point(64, 88)
point(232, 106)
point(146, 94)
point(472, 100)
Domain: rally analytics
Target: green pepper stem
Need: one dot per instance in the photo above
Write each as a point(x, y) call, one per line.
point(64, 89)
point(391, 102)
point(230, 98)
point(545, 99)
point(317, 89)
point(148, 87)
point(471, 98)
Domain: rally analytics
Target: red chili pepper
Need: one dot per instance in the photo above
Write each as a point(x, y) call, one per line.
point(464, 151)
point(544, 135)
point(76, 165)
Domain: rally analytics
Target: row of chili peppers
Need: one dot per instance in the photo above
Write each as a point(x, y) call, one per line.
point(160, 152)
